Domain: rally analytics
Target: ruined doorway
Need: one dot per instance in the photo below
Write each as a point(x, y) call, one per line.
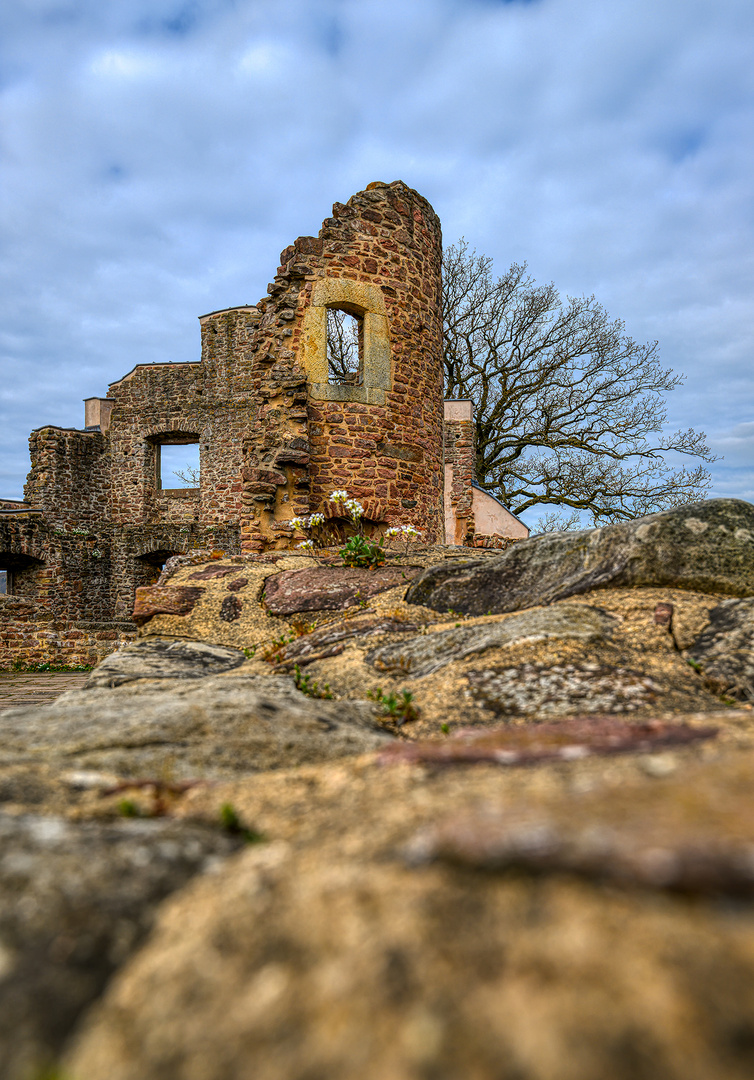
point(150, 565)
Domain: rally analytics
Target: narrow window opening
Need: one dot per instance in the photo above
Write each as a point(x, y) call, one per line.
point(345, 348)
point(5, 582)
point(178, 465)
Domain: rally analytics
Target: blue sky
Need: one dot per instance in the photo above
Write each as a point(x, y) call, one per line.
point(156, 156)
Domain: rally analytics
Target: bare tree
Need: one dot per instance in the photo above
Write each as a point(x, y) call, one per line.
point(570, 411)
point(189, 474)
point(343, 352)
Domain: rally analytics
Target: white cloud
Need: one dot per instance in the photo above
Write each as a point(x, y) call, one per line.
point(158, 155)
point(112, 64)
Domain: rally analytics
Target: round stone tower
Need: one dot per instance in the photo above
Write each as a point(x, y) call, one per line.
point(373, 420)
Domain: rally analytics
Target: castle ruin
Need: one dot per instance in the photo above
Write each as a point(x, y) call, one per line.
point(277, 430)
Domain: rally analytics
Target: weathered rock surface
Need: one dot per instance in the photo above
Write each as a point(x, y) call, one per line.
point(324, 951)
point(570, 740)
point(164, 600)
point(708, 547)
point(325, 588)
point(559, 689)
point(694, 838)
point(330, 640)
point(429, 652)
point(725, 650)
point(326, 954)
point(75, 902)
point(164, 658)
point(216, 726)
point(212, 619)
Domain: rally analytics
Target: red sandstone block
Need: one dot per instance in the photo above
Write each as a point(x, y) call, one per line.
point(164, 600)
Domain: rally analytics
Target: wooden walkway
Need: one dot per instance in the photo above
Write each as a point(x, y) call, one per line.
point(39, 688)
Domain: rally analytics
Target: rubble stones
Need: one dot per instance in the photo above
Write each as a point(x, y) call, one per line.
point(231, 608)
point(238, 584)
point(427, 653)
point(164, 658)
point(210, 572)
point(708, 547)
point(164, 600)
point(326, 588)
point(725, 650)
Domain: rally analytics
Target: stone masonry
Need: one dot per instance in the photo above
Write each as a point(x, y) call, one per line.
point(379, 258)
point(276, 434)
point(473, 517)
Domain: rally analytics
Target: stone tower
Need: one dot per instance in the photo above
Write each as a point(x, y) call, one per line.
point(378, 434)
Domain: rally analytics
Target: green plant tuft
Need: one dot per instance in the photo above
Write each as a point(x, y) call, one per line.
point(128, 808)
point(311, 689)
point(273, 650)
point(231, 823)
point(358, 551)
point(20, 666)
point(399, 708)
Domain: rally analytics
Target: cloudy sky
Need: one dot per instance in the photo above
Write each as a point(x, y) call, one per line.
point(157, 155)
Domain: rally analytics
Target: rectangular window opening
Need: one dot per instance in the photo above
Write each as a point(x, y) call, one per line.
point(345, 348)
point(4, 582)
point(178, 465)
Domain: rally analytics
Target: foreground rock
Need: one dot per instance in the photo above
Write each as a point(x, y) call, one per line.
point(695, 840)
point(423, 655)
point(500, 891)
point(75, 902)
point(365, 941)
point(725, 650)
point(708, 547)
point(210, 726)
point(164, 658)
point(569, 740)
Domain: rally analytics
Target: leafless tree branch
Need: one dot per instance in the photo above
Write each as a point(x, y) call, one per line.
point(570, 411)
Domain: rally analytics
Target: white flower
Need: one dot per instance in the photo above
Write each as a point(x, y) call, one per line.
point(395, 530)
point(339, 496)
point(315, 520)
point(409, 530)
point(306, 545)
point(354, 508)
point(298, 523)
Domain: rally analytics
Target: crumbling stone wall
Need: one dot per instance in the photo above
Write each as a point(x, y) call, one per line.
point(378, 256)
point(59, 611)
point(473, 517)
point(70, 475)
point(164, 403)
point(276, 434)
point(459, 471)
point(32, 635)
